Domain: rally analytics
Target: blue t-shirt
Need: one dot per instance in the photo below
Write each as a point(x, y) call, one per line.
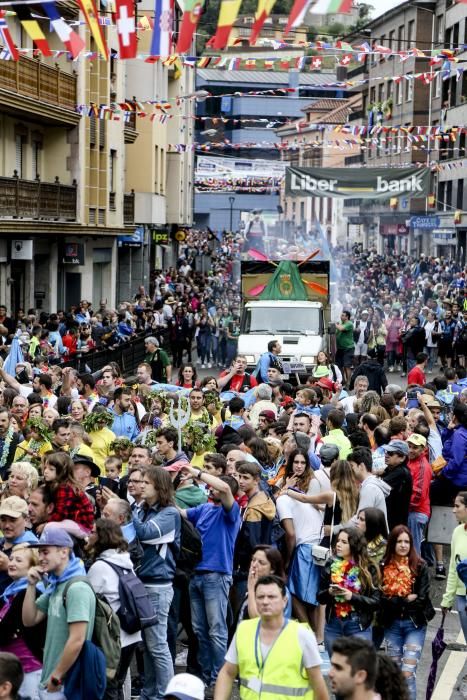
point(218, 529)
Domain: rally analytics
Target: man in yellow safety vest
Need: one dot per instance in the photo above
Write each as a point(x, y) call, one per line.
point(275, 658)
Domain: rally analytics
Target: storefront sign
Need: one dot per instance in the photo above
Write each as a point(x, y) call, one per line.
point(425, 222)
point(73, 254)
point(445, 236)
point(358, 183)
point(160, 237)
point(134, 240)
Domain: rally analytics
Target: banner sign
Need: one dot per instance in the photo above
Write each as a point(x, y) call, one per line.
point(357, 183)
point(425, 222)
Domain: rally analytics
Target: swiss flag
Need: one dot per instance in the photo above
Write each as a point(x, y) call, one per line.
point(126, 28)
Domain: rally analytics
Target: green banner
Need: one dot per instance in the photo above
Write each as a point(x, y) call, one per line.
point(357, 183)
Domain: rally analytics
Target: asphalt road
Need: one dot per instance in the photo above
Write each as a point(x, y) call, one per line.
point(452, 667)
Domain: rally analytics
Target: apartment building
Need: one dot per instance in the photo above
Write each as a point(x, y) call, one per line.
point(72, 220)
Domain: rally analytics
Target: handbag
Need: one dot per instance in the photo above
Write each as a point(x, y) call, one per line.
point(319, 553)
point(438, 465)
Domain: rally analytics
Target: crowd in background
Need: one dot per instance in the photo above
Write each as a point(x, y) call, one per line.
point(205, 488)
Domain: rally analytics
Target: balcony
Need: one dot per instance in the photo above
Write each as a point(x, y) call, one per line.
point(129, 131)
point(129, 209)
point(29, 86)
point(33, 199)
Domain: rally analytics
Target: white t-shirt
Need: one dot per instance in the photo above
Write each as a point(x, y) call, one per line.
point(306, 639)
point(307, 521)
point(348, 404)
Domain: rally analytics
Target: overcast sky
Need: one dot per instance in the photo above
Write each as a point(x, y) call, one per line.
point(382, 6)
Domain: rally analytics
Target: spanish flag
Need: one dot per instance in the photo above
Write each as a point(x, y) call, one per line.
point(228, 13)
point(263, 11)
point(89, 10)
point(32, 28)
point(191, 16)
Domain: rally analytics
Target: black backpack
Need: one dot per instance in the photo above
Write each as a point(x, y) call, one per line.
point(191, 547)
point(136, 611)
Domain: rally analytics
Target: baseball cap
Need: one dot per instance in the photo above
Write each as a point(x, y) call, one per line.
point(325, 411)
point(302, 440)
point(87, 462)
point(14, 507)
point(54, 537)
point(417, 439)
point(433, 403)
point(320, 371)
point(397, 446)
point(185, 686)
point(325, 383)
point(328, 453)
point(269, 415)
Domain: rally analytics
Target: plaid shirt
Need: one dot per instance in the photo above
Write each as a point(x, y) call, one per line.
point(69, 505)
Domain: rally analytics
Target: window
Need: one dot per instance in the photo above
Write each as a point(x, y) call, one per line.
point(36, 147)
point(410, 33)
point(380, 92)
point(408, 90)
point(398, 92)
point(156, 170)
point(92, 215)
point(400, 38)
point(460, 195)
point(437, 82)
point(102, 127)
point(392, 35)
point(462, 146)
point(101, 214)
point(439, 32)
point(112, 179)
point(92, 131)
point(302, 212)
point(20, 160)
point(448, 195)
point(162, 171)
point(455, 36)
point(390, 89)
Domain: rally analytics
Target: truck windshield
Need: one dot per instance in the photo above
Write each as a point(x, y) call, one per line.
point(281, 320)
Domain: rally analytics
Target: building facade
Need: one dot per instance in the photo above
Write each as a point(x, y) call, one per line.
point(74, 217)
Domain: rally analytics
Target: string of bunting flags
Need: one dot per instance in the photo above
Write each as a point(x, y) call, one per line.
point(121, 15)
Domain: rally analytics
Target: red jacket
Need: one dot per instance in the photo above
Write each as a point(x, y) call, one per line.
point(416, 376)
point(421, 480)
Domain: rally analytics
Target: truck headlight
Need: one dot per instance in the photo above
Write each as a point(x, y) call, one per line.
point(250, 359)
point(308, 360)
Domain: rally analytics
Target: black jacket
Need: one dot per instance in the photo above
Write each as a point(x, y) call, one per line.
point(11, 627)
point(372, 370)
point(398, 501)
point(420, 611)
point(365, 604)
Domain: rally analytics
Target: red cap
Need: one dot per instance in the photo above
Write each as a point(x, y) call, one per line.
point(326, 383)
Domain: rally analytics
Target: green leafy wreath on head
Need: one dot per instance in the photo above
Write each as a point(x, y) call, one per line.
point(96, 421)
point(213, 397)
point(41, 428)
point(121, 443)
point(198, 437)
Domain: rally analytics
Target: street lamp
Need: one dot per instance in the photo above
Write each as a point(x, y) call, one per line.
point(231, 200)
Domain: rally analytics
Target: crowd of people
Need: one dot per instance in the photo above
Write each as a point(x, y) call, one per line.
point(228, 509)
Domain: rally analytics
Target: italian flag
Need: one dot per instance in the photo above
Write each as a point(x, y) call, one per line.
point(324, 7)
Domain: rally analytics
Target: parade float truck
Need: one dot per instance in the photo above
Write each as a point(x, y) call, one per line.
point(289, 302)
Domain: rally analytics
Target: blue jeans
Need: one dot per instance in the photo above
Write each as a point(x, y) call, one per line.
point(214, 348)
point(417, 523)
point(209, 597)
point(158, 667)
point(404, 645)
point(348, 627)
point(432, 357)
point(461, 601)
point(410, 363)
point(204, 347)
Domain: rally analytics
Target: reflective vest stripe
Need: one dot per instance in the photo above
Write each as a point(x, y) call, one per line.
point(278, 689)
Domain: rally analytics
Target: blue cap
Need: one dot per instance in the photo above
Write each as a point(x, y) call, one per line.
point(397, 446)
point(54, 537)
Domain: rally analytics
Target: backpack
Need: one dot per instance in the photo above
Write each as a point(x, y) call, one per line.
point(136, 612)
point(86, 679)
point(106, 633)
point(191, 547)
point(461, 569)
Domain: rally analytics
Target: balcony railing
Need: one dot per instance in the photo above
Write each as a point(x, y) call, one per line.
point(31, 78)
point(33, 199)
point(129, 209)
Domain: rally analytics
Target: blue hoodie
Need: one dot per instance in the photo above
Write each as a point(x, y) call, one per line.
point(124, 425)
point(158, 530)
point(455, 453)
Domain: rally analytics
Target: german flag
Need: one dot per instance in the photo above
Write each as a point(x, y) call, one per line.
point(32, 29)
point(91, 16)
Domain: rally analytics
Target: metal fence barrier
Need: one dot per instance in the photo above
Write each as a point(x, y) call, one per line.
point(128, 355)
